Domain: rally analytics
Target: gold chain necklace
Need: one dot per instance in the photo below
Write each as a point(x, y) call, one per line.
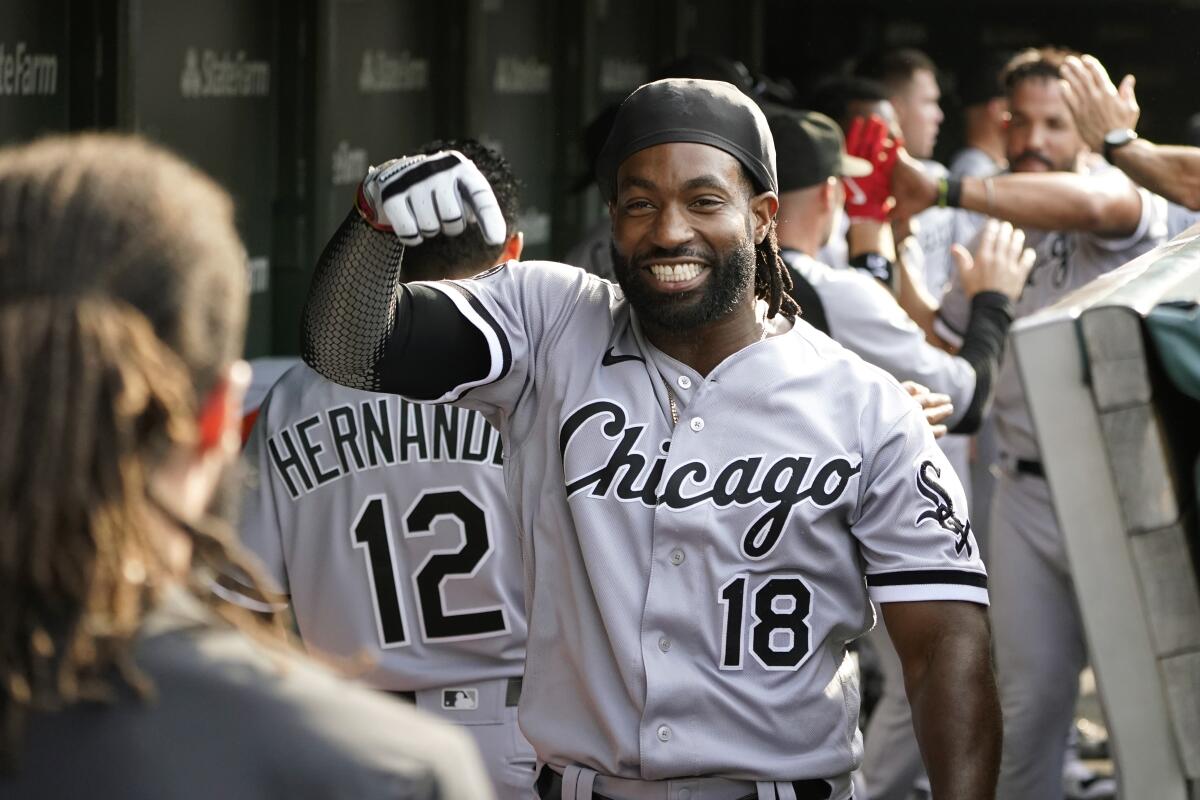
point(671, 403)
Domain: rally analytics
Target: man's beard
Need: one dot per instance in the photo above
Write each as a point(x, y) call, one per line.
point(729, 277)
point(1044, 160)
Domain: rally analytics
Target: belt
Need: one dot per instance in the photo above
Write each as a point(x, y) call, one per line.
point(549, 787)
point(1027, 467)
point(512, 694)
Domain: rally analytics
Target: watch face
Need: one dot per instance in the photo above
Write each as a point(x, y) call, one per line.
point(1119, 137)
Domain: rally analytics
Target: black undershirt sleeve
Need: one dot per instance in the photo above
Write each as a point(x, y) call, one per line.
point(983, 347)
point(362, 328)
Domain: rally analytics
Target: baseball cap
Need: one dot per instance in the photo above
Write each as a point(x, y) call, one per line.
point(707, 112)
point(811, 148)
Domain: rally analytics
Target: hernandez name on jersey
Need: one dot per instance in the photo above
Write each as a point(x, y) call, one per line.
point(696, 583)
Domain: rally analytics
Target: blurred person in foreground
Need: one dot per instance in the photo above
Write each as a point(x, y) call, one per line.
point(121, 324)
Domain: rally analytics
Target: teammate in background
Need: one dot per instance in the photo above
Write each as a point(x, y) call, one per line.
point(646, 424)
point(858, 312)
point(985, 112)
point(122, 320)
point(1084, 218)
point(385, 524)
point(1107, 119)
point(844, 99)
point(910, 78)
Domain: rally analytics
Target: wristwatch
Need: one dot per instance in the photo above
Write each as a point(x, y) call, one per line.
point(1117, 137)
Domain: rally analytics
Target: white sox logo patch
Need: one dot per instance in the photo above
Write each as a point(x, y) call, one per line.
point(631, 476)
point(943, 507)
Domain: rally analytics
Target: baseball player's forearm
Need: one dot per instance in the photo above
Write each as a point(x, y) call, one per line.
point(944, 648)
point(1170, 170)
point(915, 299)
point(982, 348)
point(350, 313)
point(1056, 201)
point(363, 329)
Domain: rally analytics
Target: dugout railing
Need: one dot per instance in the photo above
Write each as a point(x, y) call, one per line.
point(1112, 377)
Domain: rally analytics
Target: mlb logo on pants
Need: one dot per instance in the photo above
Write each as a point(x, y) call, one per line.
point(460, 699)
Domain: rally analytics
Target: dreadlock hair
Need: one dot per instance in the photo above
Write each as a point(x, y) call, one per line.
point(122, 298)
point(772, 281)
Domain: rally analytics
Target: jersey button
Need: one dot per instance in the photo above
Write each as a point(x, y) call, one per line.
point(664, 733)
point(677, 557)
point(697, 424)
point(664, 644)
point(684, 382)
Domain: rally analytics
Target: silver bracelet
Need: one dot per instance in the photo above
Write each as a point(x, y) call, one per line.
point(989, 190)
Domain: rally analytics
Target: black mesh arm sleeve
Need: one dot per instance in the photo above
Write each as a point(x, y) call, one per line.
point(983, 347)
point(362, 328)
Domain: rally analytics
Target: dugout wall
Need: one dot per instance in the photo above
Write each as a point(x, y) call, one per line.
point(1112, 376)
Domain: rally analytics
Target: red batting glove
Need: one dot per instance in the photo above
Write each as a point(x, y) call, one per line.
point(869, 197)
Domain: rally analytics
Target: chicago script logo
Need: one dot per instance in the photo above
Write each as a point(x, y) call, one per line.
point(943, 507)
point(631, 476)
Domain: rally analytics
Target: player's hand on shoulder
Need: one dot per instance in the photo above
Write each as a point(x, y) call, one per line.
point(1000, 263)
point(420, 197)
point(936, 407)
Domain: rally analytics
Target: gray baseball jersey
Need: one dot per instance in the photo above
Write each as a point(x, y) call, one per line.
point(386, 523)
point(694, 585)
point(934, 230)
point(1179, 219)
point(1065, 261)
point(973, 162)
point(864, 318)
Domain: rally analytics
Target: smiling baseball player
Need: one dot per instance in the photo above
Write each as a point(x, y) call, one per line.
point(709, 492)
point(385, 523)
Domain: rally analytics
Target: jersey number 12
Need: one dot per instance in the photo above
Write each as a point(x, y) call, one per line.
point(372, 532)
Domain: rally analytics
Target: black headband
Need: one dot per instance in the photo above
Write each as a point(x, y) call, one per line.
point(714, 113)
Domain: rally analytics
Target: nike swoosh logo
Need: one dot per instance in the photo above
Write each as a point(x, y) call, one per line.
point(609, 359)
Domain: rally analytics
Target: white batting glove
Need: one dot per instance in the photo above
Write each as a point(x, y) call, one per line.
point(420, 197)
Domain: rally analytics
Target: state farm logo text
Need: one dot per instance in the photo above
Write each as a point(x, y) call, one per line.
point(27, 74)
point(208, 73)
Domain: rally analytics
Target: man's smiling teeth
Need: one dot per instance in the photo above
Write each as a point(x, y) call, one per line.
point(674, 273)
